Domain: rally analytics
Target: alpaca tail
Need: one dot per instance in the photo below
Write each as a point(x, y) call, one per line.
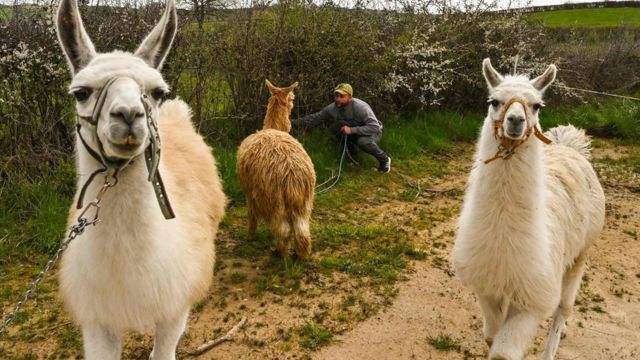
point(570, 136)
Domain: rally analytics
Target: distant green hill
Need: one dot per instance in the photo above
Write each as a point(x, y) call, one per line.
point(594, 18)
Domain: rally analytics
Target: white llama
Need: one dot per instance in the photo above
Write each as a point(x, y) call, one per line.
point(136, 270)
point(530, 213)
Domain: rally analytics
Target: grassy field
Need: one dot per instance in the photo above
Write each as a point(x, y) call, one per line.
point(592, 18)
point(33, 211)
point(358, 258)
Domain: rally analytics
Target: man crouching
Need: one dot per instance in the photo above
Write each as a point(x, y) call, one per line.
point(354, 118)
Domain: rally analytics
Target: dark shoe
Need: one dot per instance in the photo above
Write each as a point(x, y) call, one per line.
point(385, 166)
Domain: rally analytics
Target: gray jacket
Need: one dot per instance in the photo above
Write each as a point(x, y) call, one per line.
point(357, 115)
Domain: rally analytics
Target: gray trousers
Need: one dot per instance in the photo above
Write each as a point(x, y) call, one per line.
point(368, 143)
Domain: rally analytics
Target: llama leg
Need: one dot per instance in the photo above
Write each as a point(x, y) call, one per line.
point(167, 335)
point(282, 230)
point(253, 221)
point(493, 312)
point(513, 338)
point(101, 343)
point(570, 286)
point(302, 236)
point(556, 331)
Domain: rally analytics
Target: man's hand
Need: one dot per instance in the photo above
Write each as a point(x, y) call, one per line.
point(346, 130)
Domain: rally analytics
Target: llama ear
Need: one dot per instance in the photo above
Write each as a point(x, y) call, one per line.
point(490, 74)
point(543, 81)
point(73, 38)
point(272, 89)
point(156, 45)
point(290, 88)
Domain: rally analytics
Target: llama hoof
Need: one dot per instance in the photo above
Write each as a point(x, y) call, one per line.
point(489, 341)
point(563, 331)
point(501, 355)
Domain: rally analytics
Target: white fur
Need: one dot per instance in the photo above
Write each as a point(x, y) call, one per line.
point(137, 270)
point(526, 225)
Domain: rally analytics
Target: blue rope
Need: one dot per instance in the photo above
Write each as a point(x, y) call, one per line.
point(336, 177)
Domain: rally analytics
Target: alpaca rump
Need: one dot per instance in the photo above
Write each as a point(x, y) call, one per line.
point(136, 270)
point(527, 222)
point(277, 177)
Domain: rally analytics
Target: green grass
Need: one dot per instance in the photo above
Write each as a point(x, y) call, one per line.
point(33, 214)
point(616, 119)
point(443, 342)
point(379, 254)
point(593, 18)
point(313, 336)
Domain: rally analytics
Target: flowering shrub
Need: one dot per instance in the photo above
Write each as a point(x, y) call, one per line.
point(421, 69)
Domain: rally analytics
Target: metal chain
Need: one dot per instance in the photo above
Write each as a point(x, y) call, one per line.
point(75, 231)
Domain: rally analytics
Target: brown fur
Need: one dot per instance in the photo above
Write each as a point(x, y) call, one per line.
point(279, 107)
point(277, 177)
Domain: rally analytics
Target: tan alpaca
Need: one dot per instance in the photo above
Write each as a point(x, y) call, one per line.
point(136, 270)
point(277, 176)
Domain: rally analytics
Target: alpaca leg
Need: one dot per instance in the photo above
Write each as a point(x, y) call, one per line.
point(302, 236)
point(253, 221)
point(493, 312)
point(282, 230)
point(570, 286)
point(101, 343)
point(513, 338)
point(167, 335)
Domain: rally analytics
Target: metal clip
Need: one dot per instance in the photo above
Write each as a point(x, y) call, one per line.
point(110, 180)
point(95, 220)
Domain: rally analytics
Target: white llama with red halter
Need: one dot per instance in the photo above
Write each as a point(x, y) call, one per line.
point(530, 213)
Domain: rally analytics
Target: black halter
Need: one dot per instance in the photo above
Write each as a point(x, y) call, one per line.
point(114, 165)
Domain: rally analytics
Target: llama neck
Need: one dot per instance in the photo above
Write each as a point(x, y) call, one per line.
point(277, 117)
point(518, 181)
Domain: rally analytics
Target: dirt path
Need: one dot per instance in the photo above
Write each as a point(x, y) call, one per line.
point(432, 303)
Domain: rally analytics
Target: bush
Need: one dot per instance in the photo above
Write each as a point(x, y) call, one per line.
point(401, 59)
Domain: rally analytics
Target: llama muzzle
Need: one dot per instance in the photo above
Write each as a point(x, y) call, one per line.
point(508, 146)
point(113, 165)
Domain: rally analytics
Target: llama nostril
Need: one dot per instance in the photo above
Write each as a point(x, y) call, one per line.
point(515, 119)
point(128, 115)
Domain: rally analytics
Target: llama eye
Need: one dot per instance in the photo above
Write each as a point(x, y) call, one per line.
point(536, 107)
point(494, 103)
point(159, 93)
point(82, 94)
